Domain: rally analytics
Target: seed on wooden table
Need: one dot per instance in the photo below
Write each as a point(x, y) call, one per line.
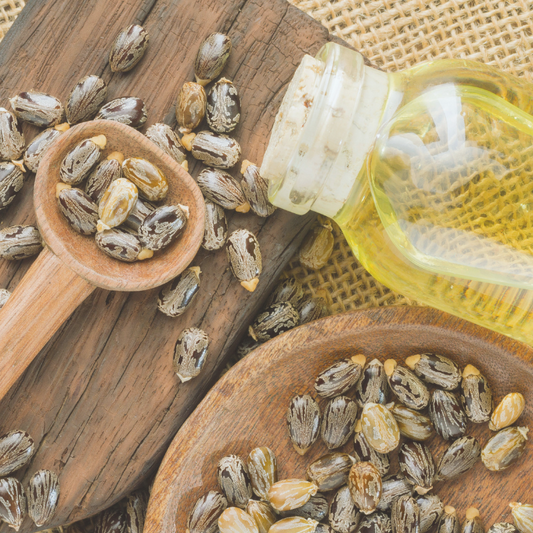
point(244, 255)
point(394, 487)
point(473, 522)
point(40, 144)
point(19, 242)
point(311, 309)
point(416, 464)
point(522, 516)
point(380, 428)
point(43, 494)
point(128, 48)
point(117, 203)
point(303, 420)
point(459, 457)
point(315, 508)
point(136, 507)
point(39, 109)
point(11, 181)
point(137, 215)
point(365, 486)
point(412, 424)
point(129, 110)
point(373, 386)
point(223, 110)
point(263, 469)
point(476, 395)
point(343, 514)
point(508, 411)
point(223, 189)
point(149, 179)
point(405, 515)
point(340, 377)
point(85, 99)
point(79, 209)
point(16, 449)
point(447, 415)
point(211, 58)
point(406, 386)
point(215, 149)
point(435, 369)
point(176, 296)
point(103, 175)
point(363, 452)
point(289, 494)
point(449, 521)
point(431, 509)
point(234, 480)
point(79, 162)
point(338, 422)
point(377, 522)
point(119, 244)
point(163, 226)
point(262, 513)
point(164, 136)
point(505, 448)
point(317, 247)
point(13, 504)
point(12, 141)
point(215, 228)
point(4, 297)
point(502, 527)
point(204, 515)
point(190, 106)
point(190, 353)
point(330, 471)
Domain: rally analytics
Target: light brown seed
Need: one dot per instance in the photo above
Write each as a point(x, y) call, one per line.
point(315, 508)
point(459, 457)
point(363, 452)
point(16, 449)
point(204, 516)
point(12, 141)
point(136, 507)
point(522, 516)
point(340, 377)
point(79, 209)
point(11, 181)
point(39, 145)
point(508, 411)
point(262, 513)
point(273, 321)
point(476, 395)
point(43, 495)
point(128, 48)
point(128, 110)
point(163, 226)
point(215, 149)
point(147, 177)
point(190, 353)
point(19, 242)
point(85, 99)
point(412, 424)
point(297, 524)
point(380, 428)
point(431, 509)
point(39, 109)
point(190, 106)
point(79, 162)
point(245, 259)
point(405, 515)
point(117, 203)
point(317, 246)
point(343, 514)
point(141, 210)
point(505, 448)
point(330, 471)
point(447, 415)
point(435, 369)
point(394, 487)
point(222, 189)
point(163, 136)
point(101, 178)
point(365, 486)
point(216, 227)
point(119, 244)
point(4, 297)
point(303, 419)
point(338, 423)
point(235, 520)
point(373, 386)
point(223, 110)
point(417, 465)
point(211, 58)
point(112, 520)
point(176, 296)
point(263, 469)
point(234, 480)
point(406, 386)
point(255, 189)
point(473, 522)
point(13, 506)
point(289, 494)
point(377, 522)
point(449, 521)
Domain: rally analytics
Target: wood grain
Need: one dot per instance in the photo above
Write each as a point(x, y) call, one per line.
point(247, 407)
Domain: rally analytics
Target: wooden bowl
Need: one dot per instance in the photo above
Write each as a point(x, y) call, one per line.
point(247, 407)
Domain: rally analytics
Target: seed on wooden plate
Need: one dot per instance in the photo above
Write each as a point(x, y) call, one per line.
point(447, 415)
point(234, 480)
point(262, 513)
point(505, 448)
point(365, 486)
point(312, 309)
point(380, 428)
point(39, 109)
point(406, 386)
point(363, 452)
point(412, 424)
point(377, 522)
point(263, 469)
point(43, 494)
point(476, 395)
point(473, 522)
point(317, 246)
point(393, 487)
point(128, 48)
point(79, 162)
point(405, 515)
point(340, 377)
point(246, 263)
point(13, 506)
point(508, 411)
point(373, 386)
point(297, 524)
point(435, 369)
point(176, 296)
point(117, 203)
point(522, 516)
point(119, 244)
point(449, 521)
point(343, 514)
point(190, 353)
point(40, 144)
point(215, 228)
point(165, 138)
point(85, 99)
point(338, 423)
point(417, 465)
point(204, 515)
point(128, 110)
point(163, 226)
point(190, 106)
point(235, 520)
point(16, 449)
point(459, 457)
point(4, 297)
point(19, 242)
point(103, 175)
point(11, 181)
point(215, 149)
point(330, 471)
point(137, 215)
point(149, 179)
point(502, 527)
point(79, 209)
point(303, 420)
point(12, 141)
point(223, 110)
point(222, 189)
point(211, 58)
point(289, 494)
point(431, 509)
point(136, 507)
point(315, 508)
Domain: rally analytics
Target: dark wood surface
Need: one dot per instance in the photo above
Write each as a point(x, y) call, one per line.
point(247, 407)
point(101, 400)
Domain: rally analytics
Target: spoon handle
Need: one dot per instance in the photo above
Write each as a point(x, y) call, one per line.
point(43, 300)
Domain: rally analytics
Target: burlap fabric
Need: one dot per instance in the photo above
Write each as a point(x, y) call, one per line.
point(9, 10)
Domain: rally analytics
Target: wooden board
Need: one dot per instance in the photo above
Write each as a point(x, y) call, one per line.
point(101, 400)
point(247, 407)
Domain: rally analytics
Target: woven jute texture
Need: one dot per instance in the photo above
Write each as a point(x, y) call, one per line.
point(9, 10)
point(396, 35)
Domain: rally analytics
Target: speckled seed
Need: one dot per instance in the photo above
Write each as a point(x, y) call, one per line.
point(412, 424)
point(505, 448)
point(211, 58)
point(190, 353)
point(12, 141)
point(136, 507)
point(13, 504)
point(164, 137)
point(43, 494)
point(40, 144)
point(447, 415)
point(16, 449)
point(262, 513)
point(311, 309)
point(435, 369)
point(380, 428)
point(19, 242)
point(39, 109)
point(263, 469)
point(203, 517)
point(365, 486)
point(363, 452)
point(163, 226)
point(405, 515)
point(297, 524)
point(117, 203)
point(137, 215)
point(79, 162)
point(416, 464)
point(373, 386)
point(287, 290)
point(522, 516)
point(221, 188)
point(85, 99)
point(458, 458)
point(317, 246)
point(235, 520)
point(119, 244)
point(223, 110)
point(190, 106)
point(508, 411)
point(78, 208)
point(11, 181)
point(151, 181)
point(176, 296)
point(303, 420)
point(394, 487)
point(502, 527)
point(234, 480)
point(246, 263)
point(128, 110)
point(4, 297)
point(476, 395)
point(315, 508)
point(112, 520)
point(215, 228)
point(406, 386)
point(340, 377)
point(473, 522)
point(246, 346)
point(375, 523)
point(431, 509)
point(330, 471)
point(289, 494)
point(215, 149)
point(128, 48)
point(343, 514)
point(338, 422)
point(102, 176)
point(449, 521)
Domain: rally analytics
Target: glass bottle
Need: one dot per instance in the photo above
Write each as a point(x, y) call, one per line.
point(428, 172)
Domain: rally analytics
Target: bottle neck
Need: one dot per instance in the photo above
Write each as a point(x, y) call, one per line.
point(326, 125)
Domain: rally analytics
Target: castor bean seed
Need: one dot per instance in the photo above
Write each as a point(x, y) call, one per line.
point(289, 494)
point(43, 494)
point(234, 480)
point(136, 507)
point(19, 242)
point(128, 48)
point(215, 228)
point(164, 137)
point(16, 449)
point(4, 297)
point(406, 386)
point(447, 415)
point(380, 428)
point(502, 527)
point(190, 106)
point(175, 297)
point(287, 290)
point(103, 175)
point(13, 504)
point(476, 395)
point(262, 513)
point(85, 99)
point(79, 209)
point(223, 110)
point(119, 244)
point(127, 110)
point(449, 521)
point(221, 188)
point(377, 522)
point(246, 263)
point(114, 519)
point(246, 346)
point(435, 369)
point(315, 508)
point(338, 422)
point(431, 509)
point(473, 522)
point(505, 448)
point(11, 181)
point(330, 471)
point(297, 524)
point(255, 190)
point(343, 514)
point(40, 144)
point(79, 162)
point(340, 377)
point(149, 179)
point(393, 487)
point(190, 353)
point(303, 420)
point(39, 109)
point(117, 203)
point(405, 515)
point(12, 141)
point(204, 515)
point(459, 457)
point(163, 226)
point(263, 469)
point(273, 321)
point(311, 309)
point(508, 411)
point(137, 215)
point(211, 58)
point(317, 247)
point(215, 149)
point(365, 486)
point(235, 520)
point(363, 452)
point(522, 516)
point(412, 424)
point(417, 465)
point(373, 386)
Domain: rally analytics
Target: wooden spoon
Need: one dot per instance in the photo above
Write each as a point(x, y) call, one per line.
point(247, 407)
point(71, 266)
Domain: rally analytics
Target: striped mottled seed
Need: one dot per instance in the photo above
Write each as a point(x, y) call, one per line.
point(43, 494)
point(223, 109)
point(79, 162)
point(85, 99)
point(522, 516)
point(79, 209)
point(373, 386)
point(263, 469)
point(406, 386)
point(505, 448)
point(12, 141)
point(288, 290)
point(447, 415)
point(473, 522)
point(39, 145)
point(363, 452)
point(315, 508)
point(128, 48)
point(204, 515)
point(234, 480)
point(343, 514)
point(165, 138)
point(289, 494)
point(39, 109)
point(149, 179)
point(405, 515)
point(190, 106)
point(297, 524)
point(11, 181)
point(273, 321)
point(459, 457)
point(244, 255)
point(435, 369)
point(377, 522)
point(215, 149)
point(211, 58)
point(330, 471)
point(136, 507)
point(311, 309)
point(222, 189)
point(190, 353)
point(137, 215)
point(449, 521)
point(102, 176)
point(112, 520)
point(476, 395)
point(119, 244)
point(340, 377)
point(128, 110)
point(255, 189)
point(338, 423)
point(262, 513)
point(117, 203)
point(394, 487)
point(416, 464)
point(235, 520)
point(502, 527)
point(431, 509)
point(317, 247)
point(16, 449)
point(215, 228)
point(412, 424)
point(176, 296)
point(380, 428)
point(19, 242)
point(303, 420)
point(508, 411)
point(163, 226)
point(4, 297)
point(365, 486)
point(13, 504)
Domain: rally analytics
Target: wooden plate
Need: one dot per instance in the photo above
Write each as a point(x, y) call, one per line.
point(247, 407)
